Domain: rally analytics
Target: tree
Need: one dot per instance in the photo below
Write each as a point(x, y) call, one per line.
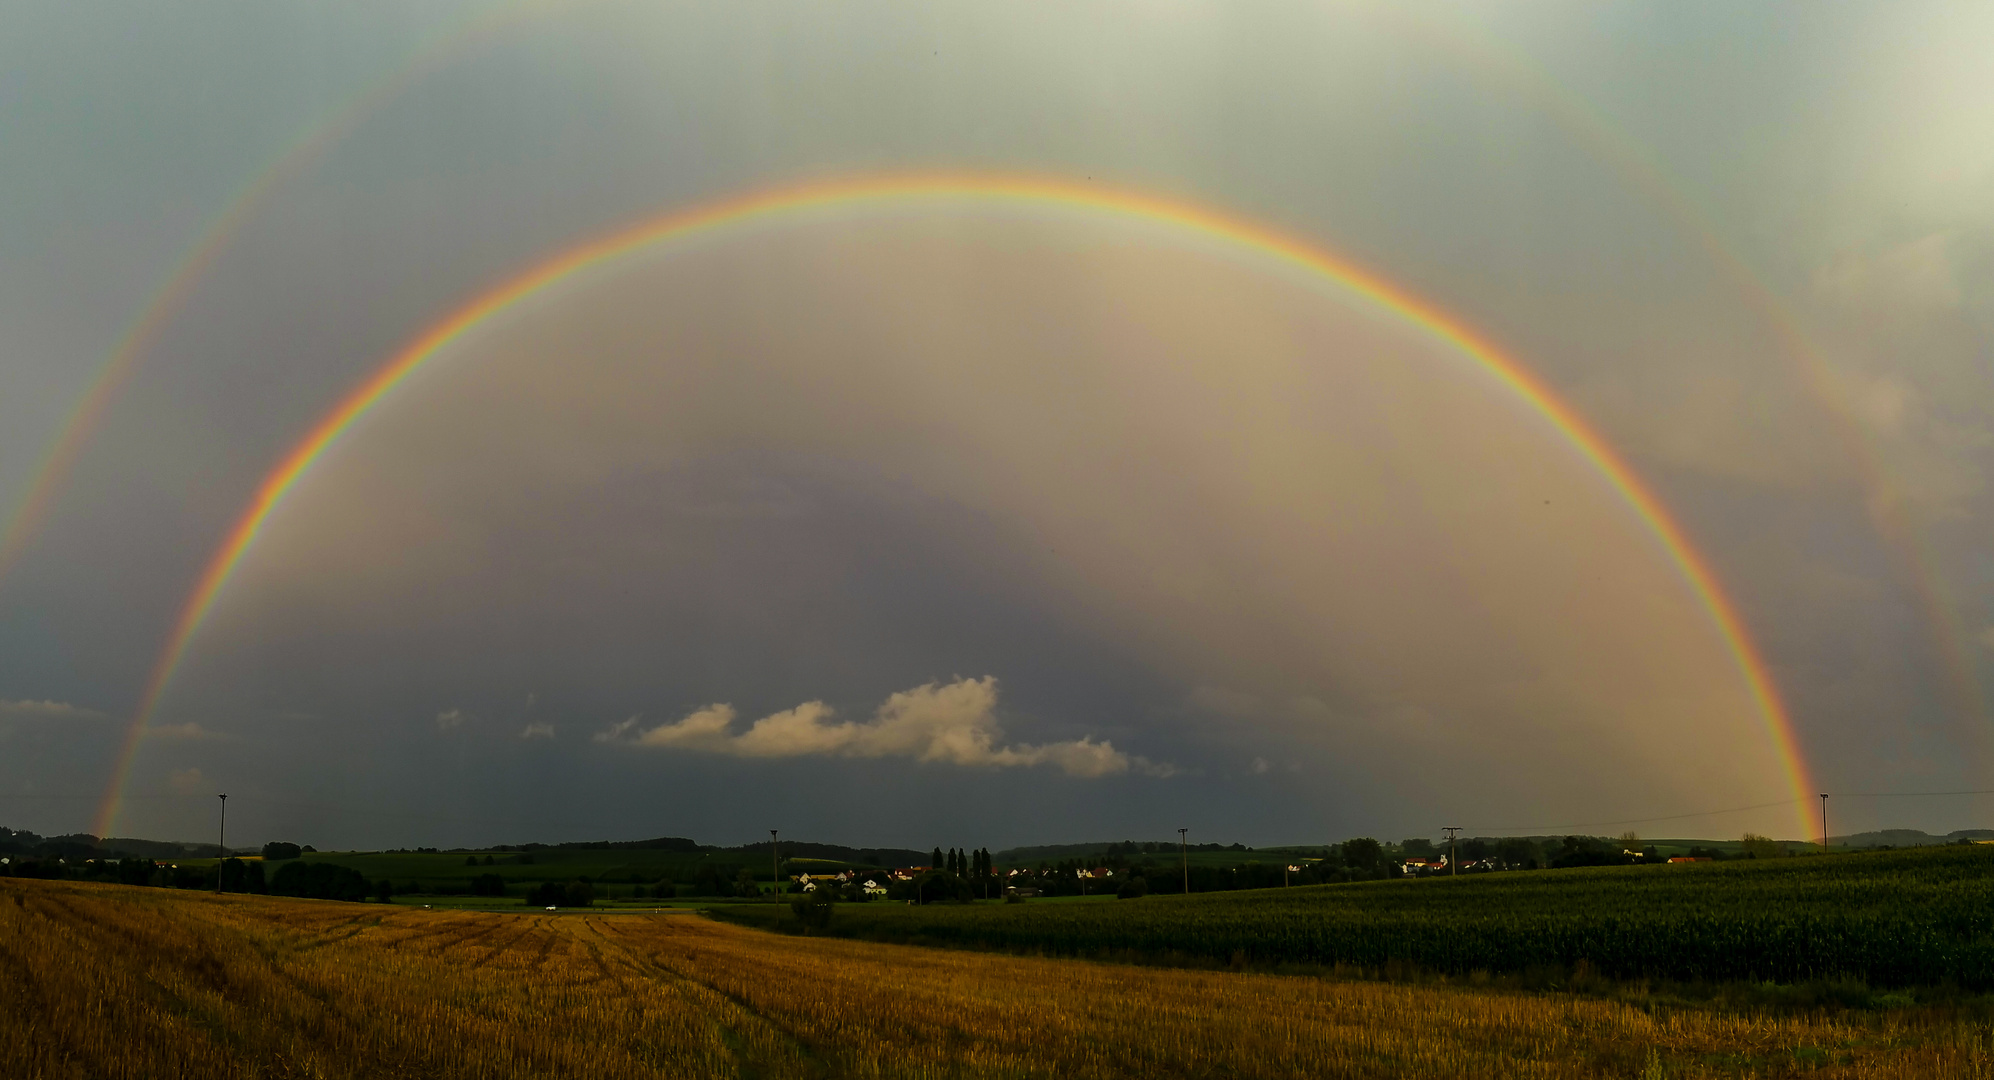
point(319, 880)
point(240, 876)
point(577, 893)
point(931, 887)
point(706, 881)
point(1518, 853)
point(1362, 853)
point(488, 885)
point(277, 851)
point(813, 908)
point(935, 860)
point(1762, 847)
point(1418, 848)
point(384, 891)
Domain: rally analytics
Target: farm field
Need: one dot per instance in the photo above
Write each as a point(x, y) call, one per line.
point(112, 981)
point(1900, 918)
point(609, 868)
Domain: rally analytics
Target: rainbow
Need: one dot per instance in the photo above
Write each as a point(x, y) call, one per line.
point(778, 203)
point(1478, 52)
point(1504, 65)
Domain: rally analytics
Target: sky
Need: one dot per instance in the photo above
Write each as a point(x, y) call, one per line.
point(967, 519)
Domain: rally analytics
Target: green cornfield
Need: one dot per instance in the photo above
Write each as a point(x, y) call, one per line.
point(1903, 918)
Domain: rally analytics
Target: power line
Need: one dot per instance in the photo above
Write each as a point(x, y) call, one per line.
point(1636, 821)
point(1736, 810)
point(1905, 794)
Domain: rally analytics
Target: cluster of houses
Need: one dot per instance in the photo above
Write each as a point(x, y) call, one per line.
point(1438, 865)
point(876, 882)
point(1022, 882)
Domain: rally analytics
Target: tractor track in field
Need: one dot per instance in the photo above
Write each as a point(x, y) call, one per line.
point(499, 949)
point(719, 1007)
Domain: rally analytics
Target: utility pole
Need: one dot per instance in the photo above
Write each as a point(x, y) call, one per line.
point(1824, 823)
point(775, 871)
point(1453, 864)
point(1184, 857)
point(221, 842)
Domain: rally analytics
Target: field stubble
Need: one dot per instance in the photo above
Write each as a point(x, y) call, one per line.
point(108, 981)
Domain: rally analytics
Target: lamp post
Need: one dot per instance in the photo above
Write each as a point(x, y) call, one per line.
point(221, 844)
point(1184, 857)
point(775, 871)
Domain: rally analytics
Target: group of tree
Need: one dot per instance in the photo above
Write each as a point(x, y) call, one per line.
point(577, 893)
point(320, 880)
point(723, 880)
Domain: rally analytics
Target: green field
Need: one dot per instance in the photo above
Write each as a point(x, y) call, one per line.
point(1902, 918)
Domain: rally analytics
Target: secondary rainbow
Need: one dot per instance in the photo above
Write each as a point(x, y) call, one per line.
point(62, 454)
point(681, 225)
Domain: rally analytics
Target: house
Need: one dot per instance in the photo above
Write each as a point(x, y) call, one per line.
point(1688, 858)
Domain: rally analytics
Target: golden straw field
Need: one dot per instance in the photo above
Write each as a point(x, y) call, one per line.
point(112, 981)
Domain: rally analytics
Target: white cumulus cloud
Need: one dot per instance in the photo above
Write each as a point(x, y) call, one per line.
point(449, 718)
point(188, 730)
point(188, 782)
point(47, 710)
point(954, 723)
point(537, 731)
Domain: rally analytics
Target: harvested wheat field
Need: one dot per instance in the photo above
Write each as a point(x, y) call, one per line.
point(112, 981)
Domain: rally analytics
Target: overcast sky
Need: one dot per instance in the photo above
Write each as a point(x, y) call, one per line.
point(955, 523)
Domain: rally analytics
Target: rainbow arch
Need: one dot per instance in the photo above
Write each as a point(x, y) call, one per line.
point(1507, 67)
point(1012, 189)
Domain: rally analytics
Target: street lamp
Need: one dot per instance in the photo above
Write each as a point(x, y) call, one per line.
point(1184, 857)
point(221, 844)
